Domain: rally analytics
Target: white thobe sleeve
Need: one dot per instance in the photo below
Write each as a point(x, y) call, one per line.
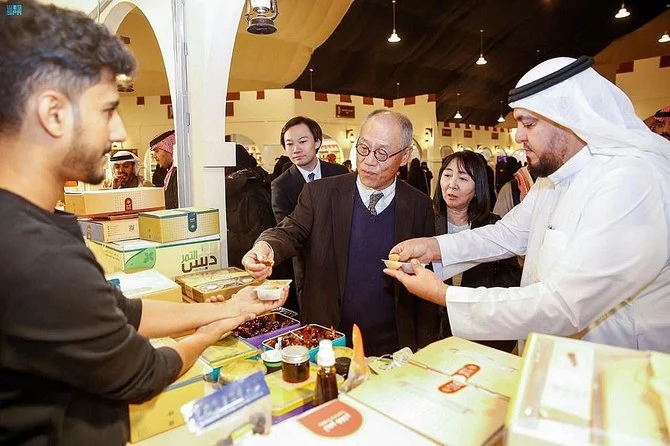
point(618, 247)
point(507, 238)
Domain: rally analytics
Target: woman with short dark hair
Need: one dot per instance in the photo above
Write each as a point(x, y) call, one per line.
point(461, 203)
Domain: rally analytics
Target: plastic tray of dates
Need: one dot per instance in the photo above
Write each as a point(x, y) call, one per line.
point(265, 327)
point(308, 336)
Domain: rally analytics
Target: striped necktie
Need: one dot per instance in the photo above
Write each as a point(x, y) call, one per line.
point(374, 199)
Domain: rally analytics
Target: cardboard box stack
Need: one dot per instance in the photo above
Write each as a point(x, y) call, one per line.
point(576, 392)
point(452, 392)
point(111, 215)
point(179, 241)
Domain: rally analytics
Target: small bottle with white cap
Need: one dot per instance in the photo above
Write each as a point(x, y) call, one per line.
point(326, 378)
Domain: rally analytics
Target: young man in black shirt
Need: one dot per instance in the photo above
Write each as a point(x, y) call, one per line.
point(73, 350)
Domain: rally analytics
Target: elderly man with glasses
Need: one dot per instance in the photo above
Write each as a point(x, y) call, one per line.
point(344, 226)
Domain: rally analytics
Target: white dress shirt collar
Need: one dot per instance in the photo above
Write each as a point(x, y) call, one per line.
point(316, 171)
point(365, 192)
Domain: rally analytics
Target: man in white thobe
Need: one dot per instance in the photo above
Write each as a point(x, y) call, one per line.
point(593, 228)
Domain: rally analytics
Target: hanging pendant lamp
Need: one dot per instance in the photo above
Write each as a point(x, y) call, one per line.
point(501, 118)
point(394, 36)
point(623, 12)
point(481, 60)
point(458, 113)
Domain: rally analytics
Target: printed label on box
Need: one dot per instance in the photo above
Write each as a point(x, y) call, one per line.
point(335, 420)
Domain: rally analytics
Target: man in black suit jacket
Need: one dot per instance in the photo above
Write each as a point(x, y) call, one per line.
point(301, 137)
point(344, 226)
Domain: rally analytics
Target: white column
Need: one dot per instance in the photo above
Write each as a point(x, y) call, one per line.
point(211, 27)
point(210, 30)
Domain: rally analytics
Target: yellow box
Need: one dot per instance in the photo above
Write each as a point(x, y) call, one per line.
point(449, 394)
point(229, 349)
point(149, 284)
point(114, 230)
point(178, 224)
point(498, 371)
point(102, 203)
point(170, 259)
point(660, 365)
point(162, 412)
point(597, 394)
point(225, 282)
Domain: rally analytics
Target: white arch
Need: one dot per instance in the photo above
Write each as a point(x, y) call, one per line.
point(159, 16)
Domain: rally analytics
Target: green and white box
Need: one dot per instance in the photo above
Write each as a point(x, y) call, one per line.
point(170, 259)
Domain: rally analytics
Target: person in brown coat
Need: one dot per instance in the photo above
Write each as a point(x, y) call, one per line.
point(344, 226)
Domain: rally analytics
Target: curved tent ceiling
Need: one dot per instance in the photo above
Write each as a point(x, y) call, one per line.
point(276, 60)
point(344, 41)
point(440, 44)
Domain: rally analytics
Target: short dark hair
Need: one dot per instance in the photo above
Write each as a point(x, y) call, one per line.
point(48, 45)
point(312, 125)
point(475, 166)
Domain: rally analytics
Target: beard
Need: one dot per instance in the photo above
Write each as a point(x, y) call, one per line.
point(552, 158)
point(81, 163)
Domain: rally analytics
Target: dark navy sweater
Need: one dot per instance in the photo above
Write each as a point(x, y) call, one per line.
point(369, 299)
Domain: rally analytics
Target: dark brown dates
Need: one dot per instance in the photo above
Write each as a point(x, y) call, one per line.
point(262, 325)
point(307, 336)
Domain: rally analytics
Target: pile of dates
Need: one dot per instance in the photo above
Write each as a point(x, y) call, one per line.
point(262, 325)
point(308, 336)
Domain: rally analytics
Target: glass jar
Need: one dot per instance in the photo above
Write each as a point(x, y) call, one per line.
point(295, 364)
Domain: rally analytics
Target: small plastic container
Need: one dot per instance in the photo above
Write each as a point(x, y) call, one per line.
point(272, 289)
point(272, 360)
point(238, 370)
point(295, 364)
point(342, 366)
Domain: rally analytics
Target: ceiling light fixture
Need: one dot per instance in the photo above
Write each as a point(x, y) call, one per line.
point(501, 118)
point(665, 38)
point(458, 113)
point(394, 36)
point(623, 12)
point(481, 60)
point(261, 15)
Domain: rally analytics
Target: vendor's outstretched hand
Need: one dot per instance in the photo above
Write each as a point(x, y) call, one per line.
point(425, 250)
point(424, 283)
point(215, 330)
point(258, 261)
point(246, 301)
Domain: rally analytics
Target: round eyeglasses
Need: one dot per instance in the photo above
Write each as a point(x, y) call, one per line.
point(382, 155)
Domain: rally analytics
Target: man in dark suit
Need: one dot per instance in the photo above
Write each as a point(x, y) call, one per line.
point(344, 226)
point(301, 137)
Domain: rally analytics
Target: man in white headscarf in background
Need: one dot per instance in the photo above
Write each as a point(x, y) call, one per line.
point(125, 171)
point(593, 228)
